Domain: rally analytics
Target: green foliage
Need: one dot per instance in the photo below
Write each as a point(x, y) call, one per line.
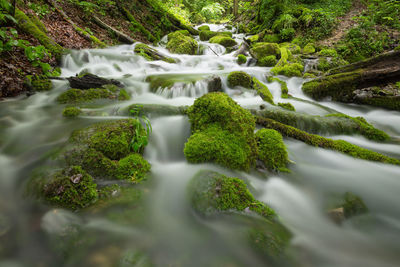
point(385, 12)
point(287, 34)
point(363, 41)
point(271, 149)
point(328, 52)
point(212, 11)
point(143, 130)
point(40, 10)
point(268, 61)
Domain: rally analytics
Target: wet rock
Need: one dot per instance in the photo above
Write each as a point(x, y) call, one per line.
point(337, 215)
point(88, 81)
point(151, 54)
point(214, 84)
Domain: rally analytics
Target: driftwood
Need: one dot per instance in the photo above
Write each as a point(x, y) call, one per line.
point(120, 35)
point(89, 81)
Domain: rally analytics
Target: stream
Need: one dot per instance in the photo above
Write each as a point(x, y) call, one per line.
point(32, 128)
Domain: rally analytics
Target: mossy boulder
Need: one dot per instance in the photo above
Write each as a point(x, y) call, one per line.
point(325, 64)
point(240, 78)
point(328, 52)
point(211, 193)
point(204, 28)
point(293, 48)
point(71, 188)
point(241, 59)
point(223, 40)
point(223, 132)
point(271, 38)
point(73, 96)
point(71, 112)
point(309, 49)
point(206, 35)
point(253, 39)
point(353, 205)
point(272, 150)
point(38, 83)
point(151, 54)
point(261, 50)
point(179, 43)
point(287, 65)
point(107, 150)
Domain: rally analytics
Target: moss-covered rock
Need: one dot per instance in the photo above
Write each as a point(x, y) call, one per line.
point(123, 95)
point(293, 48)
point(241, 59)
point(223, 40)
point(287, 106)
point(271, 38)
point(353, 205)
point(73, 96)
point(204, 28)
point(71, 112)
point(261, 50)
point(268, 61)
point(38, 83)
point(223, 132)
point(309, 49)
point(263, 91)
point(211, 193)
point(107, 150)
point(287, 65)
point(71, 188)
point(328, 52)
point(151, 54)
point(325, 64)
point(206, 35)
point(253, 39)
point(272, 150)
point(179, 43)
point(284, 88)
point(240, 78)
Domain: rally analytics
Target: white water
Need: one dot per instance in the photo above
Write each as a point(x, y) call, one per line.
point(30, 128)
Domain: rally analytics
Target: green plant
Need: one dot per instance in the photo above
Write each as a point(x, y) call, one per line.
point(143, 130)
point(212, 11)
point(40, 9)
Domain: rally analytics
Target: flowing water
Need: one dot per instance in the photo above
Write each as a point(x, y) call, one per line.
point(31, 128)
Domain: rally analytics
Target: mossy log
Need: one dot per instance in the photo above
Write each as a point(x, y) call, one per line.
point(120, 35)
point(319, 141)
point(350, 83)
point(338, 124)
point(29, 27)
point(155, 110)
point(80, 31)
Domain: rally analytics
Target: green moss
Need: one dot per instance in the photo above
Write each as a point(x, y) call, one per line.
point(26, 24)
point(94, 39)
point(293, 48)
point(38, 83)
point(239, 78)
point(105, 150)
point(271, 38)
point(38, 22)
point(319, 141)
point(79, 96)
point(272, 150)
point(268, 61)
point(211, 193)
point(204, 28)
point(133, 167)
point(289, 70)
point(309, 49)
point(284, 88)
point(261, 50)
point(71, 112)
point(397, 48)
point(223, 40)
point(308, 75)
point(263, 91)
point(353, 205)
point(365, 128)
point(287, 106)
point(220, 146)
point(138, 26)
point(223, 132)
point(328, 52)
point(241, 59)
point(207, 35)
point(151, 54)
point(325, 64)
point(254, 38)
point(181, 44)
point(392, 103)
point(123, 95)
point(332, 85)
point(71, 188)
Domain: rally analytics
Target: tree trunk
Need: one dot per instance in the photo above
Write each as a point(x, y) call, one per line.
point(235, 7)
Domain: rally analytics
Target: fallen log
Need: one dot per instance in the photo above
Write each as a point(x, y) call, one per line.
point(120, 35)
point(89, 81)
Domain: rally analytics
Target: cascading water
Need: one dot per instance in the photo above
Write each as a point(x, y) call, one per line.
point(32, 128)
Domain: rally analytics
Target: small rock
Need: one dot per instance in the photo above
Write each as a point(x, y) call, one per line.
point(337, 215)
point(214, 84)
